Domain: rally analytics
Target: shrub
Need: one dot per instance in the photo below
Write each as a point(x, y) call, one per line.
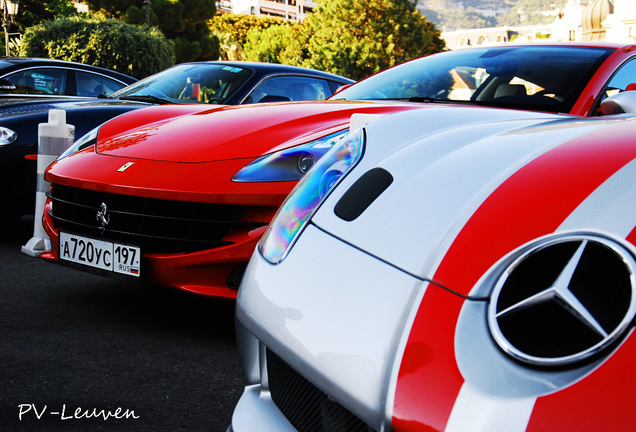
point(111, 44)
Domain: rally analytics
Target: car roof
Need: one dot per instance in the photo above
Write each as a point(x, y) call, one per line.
point(35, 61)
point(8, 64)
point(268, 68)
point(600, 44)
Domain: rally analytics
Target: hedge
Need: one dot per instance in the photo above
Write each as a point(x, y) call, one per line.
point(111, 44)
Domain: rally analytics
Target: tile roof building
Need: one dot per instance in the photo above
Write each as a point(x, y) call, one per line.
point(292, 10)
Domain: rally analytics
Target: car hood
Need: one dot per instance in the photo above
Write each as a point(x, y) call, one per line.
point(192, 134)
point(12, 107)
point(481, 181)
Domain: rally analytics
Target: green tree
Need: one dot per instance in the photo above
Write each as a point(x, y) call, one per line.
point(32, 12)
point(356, 39)
point(184, 22)
point(111, 8)
point(266, 45)
point(111, 44)
point(232, 31)
point(285, 44)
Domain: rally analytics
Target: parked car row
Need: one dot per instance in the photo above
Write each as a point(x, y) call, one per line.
point(457, 251)
point(189, 83)
point(189, 190)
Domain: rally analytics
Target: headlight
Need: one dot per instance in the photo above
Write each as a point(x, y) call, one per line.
point(7, 136)
point(307, 196)
point(289, 164)
point(86, 141)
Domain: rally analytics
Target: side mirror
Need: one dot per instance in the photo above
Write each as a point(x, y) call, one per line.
point(620, 103)
point(341, 88)
point(274, 98)
point(5, 84)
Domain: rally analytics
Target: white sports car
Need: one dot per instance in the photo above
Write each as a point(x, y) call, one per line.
point(450, 269)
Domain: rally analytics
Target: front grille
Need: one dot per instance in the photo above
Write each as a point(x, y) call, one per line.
point(306, 407)
point(156, 225)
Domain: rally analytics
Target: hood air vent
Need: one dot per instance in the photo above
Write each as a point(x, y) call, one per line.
point(362, 193)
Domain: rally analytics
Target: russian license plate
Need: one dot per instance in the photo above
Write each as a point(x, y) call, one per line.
point(116, 257)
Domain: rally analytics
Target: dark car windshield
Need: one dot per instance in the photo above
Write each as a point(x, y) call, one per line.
point(545, 78)
point(188, 83)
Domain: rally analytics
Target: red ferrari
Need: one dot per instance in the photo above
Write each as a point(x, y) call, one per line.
point(180, 195)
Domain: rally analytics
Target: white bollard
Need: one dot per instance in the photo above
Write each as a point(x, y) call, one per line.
point(54, 138)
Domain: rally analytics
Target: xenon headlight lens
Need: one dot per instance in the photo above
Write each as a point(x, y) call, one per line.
point(86, 141)
point(307, 196)
point(7, 136)
point(289, 164)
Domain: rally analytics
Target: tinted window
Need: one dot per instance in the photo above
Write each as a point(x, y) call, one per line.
point(528, 77)
point(90, 84)
point(291, 88)
point(190, 83)
point(39, 81)
point(619, 82)
point(625, 76)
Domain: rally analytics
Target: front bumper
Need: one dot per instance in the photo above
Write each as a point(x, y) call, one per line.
point(336, 317)
point(215, 272)
point(256, 411)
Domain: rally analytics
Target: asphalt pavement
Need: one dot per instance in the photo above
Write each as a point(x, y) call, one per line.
point(79, 352)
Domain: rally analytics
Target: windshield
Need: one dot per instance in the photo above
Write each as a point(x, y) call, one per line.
point(189, 83)
point(546, 78)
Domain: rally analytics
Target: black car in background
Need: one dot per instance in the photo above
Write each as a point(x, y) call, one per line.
point(23, 76)
point(229, 83)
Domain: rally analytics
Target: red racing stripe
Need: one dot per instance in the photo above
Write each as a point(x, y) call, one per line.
point(533, 202)
point(603, 401)
point(632, 237)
